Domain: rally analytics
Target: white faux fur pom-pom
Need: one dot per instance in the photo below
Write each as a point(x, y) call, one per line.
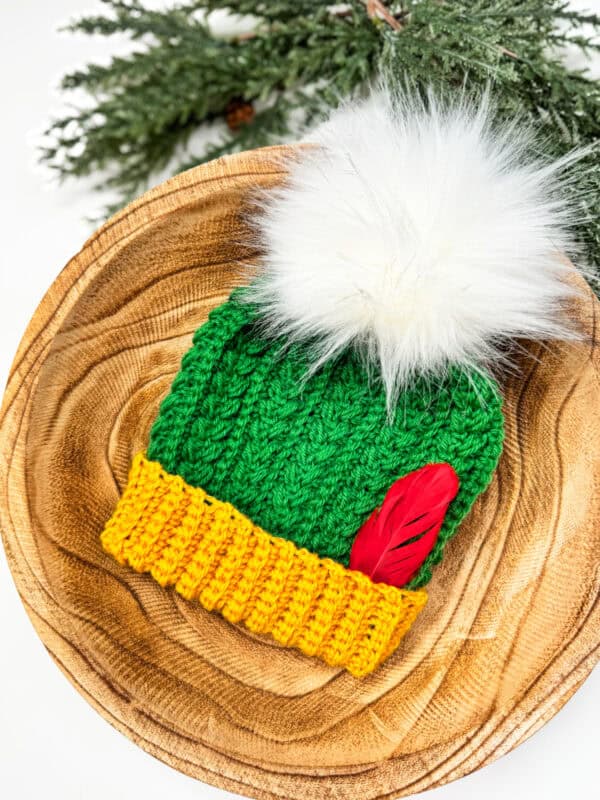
point(420, 232)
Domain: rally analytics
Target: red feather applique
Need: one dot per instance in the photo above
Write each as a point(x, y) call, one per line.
point(397, 538)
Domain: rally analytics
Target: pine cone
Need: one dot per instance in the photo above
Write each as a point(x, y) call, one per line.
point(239, 112)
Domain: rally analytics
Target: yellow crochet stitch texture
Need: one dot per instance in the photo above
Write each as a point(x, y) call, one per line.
point(212, 553)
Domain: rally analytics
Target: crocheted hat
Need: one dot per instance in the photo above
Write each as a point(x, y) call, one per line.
point(256, 482)
point(286, 484)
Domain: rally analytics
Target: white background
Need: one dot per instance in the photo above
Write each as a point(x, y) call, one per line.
point(52, 743)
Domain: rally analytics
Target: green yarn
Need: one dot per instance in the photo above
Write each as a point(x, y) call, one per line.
point(309, 460)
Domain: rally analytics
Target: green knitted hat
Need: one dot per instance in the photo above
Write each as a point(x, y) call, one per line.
point(257, 480)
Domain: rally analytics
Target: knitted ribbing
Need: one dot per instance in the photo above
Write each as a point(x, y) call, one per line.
point(211, 553)
point(309, 459)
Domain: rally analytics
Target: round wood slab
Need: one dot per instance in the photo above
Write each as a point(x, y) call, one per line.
point(513, 623)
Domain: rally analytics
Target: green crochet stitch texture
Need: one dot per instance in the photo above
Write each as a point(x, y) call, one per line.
point(309, 460)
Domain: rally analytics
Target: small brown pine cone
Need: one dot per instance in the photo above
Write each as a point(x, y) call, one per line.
point(239, 112)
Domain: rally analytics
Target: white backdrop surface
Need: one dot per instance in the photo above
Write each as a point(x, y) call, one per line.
point(52, 744)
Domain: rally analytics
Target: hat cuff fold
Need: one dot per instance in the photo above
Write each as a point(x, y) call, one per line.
point(212, 553)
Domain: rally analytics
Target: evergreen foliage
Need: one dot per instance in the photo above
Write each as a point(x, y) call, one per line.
point(301, 57)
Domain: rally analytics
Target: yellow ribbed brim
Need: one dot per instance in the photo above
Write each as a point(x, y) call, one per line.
point(212, 553)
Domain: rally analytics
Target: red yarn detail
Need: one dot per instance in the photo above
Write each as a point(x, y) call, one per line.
point(397, 538)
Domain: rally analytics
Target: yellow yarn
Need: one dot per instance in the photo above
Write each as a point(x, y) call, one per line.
point(211, 552)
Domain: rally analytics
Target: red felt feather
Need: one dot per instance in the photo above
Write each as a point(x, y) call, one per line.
point(397, 538)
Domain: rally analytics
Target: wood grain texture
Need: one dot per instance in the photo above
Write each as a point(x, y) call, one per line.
point(513, 623)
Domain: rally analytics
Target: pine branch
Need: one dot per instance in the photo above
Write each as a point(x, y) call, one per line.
point(302, 57)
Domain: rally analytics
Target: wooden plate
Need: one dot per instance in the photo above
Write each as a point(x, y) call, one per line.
point(513, 624)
